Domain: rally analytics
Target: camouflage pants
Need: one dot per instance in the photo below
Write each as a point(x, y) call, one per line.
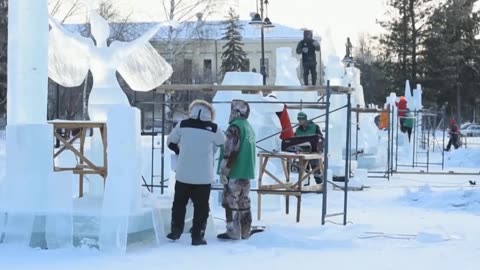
point(236, 202)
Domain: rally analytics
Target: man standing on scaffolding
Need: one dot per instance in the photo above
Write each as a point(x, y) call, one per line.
point(307, 47)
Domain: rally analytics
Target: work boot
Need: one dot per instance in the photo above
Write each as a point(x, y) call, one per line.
point(225, 236)
point(175, 233)
point(318, 178)
point(198, 241)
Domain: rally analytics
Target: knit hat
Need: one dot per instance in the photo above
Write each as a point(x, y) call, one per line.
point(301, 116)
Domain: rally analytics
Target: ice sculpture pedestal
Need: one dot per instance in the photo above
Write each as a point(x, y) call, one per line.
point(27, 181)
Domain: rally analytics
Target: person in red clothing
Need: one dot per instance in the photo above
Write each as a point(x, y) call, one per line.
point(454, 135)
point(402, 106)
point(402, 113)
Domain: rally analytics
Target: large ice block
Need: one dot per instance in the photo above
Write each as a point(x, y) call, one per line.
point(29, 166)
point(122, 188)
point(27, 61)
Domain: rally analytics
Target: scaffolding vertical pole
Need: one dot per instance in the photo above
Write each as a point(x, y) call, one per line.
point(443, 140)
point(162, 165)
point(325, 155)
point(428, 149)
point(347, 157)
point(396, 149)
point(357, 126)
point(390, 119)
point(390, 168)
point(414, 131)
point(153, 140)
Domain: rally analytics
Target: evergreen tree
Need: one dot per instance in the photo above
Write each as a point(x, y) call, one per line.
point(403, 41)
point(452, 56)
point(234, 57)
point(3, 54)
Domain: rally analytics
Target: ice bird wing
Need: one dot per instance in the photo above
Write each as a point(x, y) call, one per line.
point(68, 55)
point(142, 67)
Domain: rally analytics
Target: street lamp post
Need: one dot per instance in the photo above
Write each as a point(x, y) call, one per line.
point(263, 23)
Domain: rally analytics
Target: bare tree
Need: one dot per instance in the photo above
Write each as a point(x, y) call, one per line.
point(3, 54)
point(72, 8)
point(184, 11)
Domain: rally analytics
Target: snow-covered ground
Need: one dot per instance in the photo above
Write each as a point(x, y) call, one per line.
point(410, 222)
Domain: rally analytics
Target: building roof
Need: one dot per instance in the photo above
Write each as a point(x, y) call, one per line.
point(209, 30)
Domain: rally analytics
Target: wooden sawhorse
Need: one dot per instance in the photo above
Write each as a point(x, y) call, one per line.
point(85, 166)
point(286, 186)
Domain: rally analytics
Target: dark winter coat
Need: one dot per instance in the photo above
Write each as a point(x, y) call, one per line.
point(309, 57)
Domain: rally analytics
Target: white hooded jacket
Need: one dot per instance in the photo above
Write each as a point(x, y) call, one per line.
point(196, 140)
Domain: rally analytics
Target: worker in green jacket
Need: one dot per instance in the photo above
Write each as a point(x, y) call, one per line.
point(237, 168)
point(307, 128)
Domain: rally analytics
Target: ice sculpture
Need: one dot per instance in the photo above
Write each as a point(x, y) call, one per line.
point(408, 93)
point(29, 138)
point(71, 56)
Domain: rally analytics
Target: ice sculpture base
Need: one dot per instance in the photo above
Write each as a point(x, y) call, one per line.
point(145, 225)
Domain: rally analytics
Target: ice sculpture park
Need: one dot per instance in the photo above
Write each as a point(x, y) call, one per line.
point(38, 202)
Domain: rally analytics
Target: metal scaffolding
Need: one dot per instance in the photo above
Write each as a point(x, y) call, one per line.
point(323, 103)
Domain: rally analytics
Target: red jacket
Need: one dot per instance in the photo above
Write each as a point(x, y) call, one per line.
point(402, 106)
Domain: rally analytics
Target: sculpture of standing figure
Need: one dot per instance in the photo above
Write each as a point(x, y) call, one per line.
point(71, 56)
point(348, 49)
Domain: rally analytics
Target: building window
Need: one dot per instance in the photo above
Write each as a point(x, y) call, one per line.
point(207, 70)
point(267, 66)
point(247, 65)
point(187, 70)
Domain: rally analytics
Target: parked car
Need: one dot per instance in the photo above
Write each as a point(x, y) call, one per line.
point(472, 130)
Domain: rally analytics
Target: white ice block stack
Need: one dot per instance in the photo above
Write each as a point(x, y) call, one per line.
point(29, 167)
point(122, 189)
point(29, 137)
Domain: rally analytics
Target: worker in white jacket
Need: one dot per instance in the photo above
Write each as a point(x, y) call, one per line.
point(195, 140)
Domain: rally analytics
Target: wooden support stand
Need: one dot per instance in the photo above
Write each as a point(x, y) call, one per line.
point(85, 166)
point(285, 186)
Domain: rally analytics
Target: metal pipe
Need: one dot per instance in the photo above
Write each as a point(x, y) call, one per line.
point(347, 158)
point(153, 141)
point(162, 173)
point(388, 146)
point(325, 162)
point(263, 70)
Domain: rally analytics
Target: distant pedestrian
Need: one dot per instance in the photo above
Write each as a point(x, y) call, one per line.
point(454, 133)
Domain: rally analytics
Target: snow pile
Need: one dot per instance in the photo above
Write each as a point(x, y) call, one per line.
point(463, 158)
point(460, 199)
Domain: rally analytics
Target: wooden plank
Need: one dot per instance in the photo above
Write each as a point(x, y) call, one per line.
point(83, 134)
point(103, 130)
point(257, 88)
point(277, 186)
point(80, 171)
point(288, 155)
point(273, 192)
point(315, 188)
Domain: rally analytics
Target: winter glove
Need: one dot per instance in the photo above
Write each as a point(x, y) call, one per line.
point(224, 170)
point(316, 44)
point(305, 50)
point(223, 179)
